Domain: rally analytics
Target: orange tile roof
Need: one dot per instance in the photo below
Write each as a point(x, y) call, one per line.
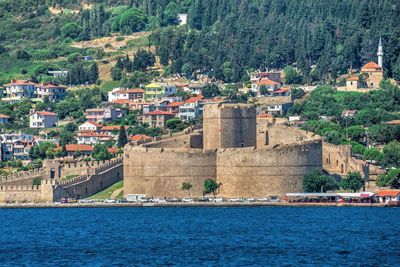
point(112, 150)
point(111, 128)
point(266, 82)
point(175, 104)
point(94, 123)
point(194, 99)
point(353, 78)
point(158, 112)
point(138, 137)
point(389, 193)
point(2, 116)
point(264, 115)
point(371, 65)
point(20, 82)
point(46, 113)
point(76, 147)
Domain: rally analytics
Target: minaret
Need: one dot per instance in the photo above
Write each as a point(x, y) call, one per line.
point(380, 53)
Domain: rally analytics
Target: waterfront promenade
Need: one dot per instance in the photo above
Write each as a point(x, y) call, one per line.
point(182, 204)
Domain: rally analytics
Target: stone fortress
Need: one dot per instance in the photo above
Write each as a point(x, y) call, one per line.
point(246, 155)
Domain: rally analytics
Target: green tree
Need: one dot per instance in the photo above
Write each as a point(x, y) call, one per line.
point(187, 186)
point(122, 137)
point(132, 20)
point(353, 181)
point(292, 75)
point(391, 179)
point(93, 73)
point(210, 90)
point(315, 181)
point(391, 154)
point(71, 30)
point(210, 186)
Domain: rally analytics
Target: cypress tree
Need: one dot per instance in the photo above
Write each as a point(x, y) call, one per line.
point(122, 137)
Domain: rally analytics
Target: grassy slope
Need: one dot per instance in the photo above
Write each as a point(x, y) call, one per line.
point(106, 193)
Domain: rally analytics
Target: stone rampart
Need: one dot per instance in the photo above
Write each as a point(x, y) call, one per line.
point(160, 172)
point(338, 159)
point(84, 186)
point(48, 191)
point(266, 171)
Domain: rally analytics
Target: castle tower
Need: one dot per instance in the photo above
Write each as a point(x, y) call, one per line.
point(229, 125)
point(380, 53)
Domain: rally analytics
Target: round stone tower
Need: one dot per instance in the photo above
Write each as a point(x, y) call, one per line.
point(229, 125)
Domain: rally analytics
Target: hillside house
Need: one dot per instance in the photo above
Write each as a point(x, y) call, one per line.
point(20, 89)
point(53, 92)
point(157, 118)
point(93, 138)
point(132, 95)
point(42, 119)
point(154, 91)
point(89, 126)
point(269, 85)
point(82, 149)
point(191, 109)
point(104, 114)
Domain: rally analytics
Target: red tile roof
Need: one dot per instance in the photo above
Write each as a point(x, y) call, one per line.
point(2, 116)
point(175, 104)
point(371, 65)
point(46, 113)
point(389, 193)
point(158, 112)
point(281, 90)
point(94, 123)
point(111, 128)
point(194, 99)
point(20, 82)
point(76, 147)
point(264, 115)
point(112, 150)
point(138, 137)
point(353, 78)
point(266, 82)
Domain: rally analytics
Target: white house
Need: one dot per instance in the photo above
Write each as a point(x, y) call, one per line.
point(386, 196)
point(134, 95)
point(269, 85)
point(42, 119)
point(89, 126)
point(19, 89)
point(54, 92)
point(93, 138)
point(190, 109)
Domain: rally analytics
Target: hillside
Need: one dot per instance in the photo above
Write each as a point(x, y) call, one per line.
point(224, 39)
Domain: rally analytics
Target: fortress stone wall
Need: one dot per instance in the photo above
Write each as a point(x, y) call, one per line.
point(160, 172)
point(247, 171)
point(227, 125)
point(266, 171)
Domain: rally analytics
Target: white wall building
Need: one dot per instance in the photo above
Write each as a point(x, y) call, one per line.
point(42, 119)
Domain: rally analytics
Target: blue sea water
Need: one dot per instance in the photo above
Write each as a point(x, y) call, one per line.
point(249, 236)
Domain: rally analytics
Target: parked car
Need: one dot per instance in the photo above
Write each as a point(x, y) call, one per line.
point(110, 201)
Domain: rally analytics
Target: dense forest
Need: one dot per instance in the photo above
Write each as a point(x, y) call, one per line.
point(224, 38)
point(322, 38)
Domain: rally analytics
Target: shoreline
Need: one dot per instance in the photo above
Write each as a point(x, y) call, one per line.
point(176, 205)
